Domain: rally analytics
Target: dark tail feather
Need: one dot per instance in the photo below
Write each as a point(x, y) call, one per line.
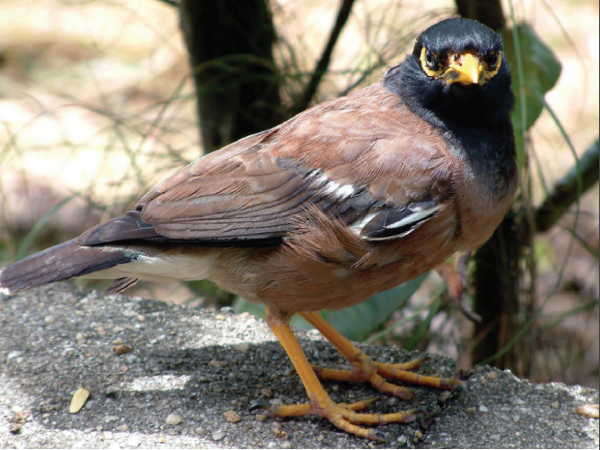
point(59, 263)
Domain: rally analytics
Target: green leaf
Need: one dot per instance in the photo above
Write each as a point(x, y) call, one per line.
point(537, 70)
point(357, 322)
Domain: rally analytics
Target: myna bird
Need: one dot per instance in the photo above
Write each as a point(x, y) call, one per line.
point(347, 199)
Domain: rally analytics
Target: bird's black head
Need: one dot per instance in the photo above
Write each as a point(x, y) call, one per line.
point(456, 74)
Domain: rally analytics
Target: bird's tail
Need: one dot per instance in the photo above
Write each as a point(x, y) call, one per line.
point(61, 262)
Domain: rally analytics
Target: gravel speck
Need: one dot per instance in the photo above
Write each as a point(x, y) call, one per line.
point(232, 416)
point(121, 349)
point(174, 419)
point(266, 392)
point(215, 363)
point(242, 348)
point(217, 435)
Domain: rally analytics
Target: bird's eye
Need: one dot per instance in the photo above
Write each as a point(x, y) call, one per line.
point(430, 63)
point(430, 60)
point(492, 59)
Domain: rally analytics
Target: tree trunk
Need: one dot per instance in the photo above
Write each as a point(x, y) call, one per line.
point(230, 43)
point(488, 12)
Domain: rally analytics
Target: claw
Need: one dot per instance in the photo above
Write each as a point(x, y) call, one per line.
point(258, 405)
point(414, 413)
point(378, 436)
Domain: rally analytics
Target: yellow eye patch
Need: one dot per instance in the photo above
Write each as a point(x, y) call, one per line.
point(492, 69)
point(464, 68)
point(432, 68)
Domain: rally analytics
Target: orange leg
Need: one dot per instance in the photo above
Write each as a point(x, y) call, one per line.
point(365, 369)
point(341, 415)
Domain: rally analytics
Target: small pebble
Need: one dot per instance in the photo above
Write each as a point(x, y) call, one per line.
point(418, 434)
point(215, 363)
point(492, 375)
point(79, 337)
point(201, 431)
point(161, 439)
point(286, 445)
point(217, 435)
point(483, 409)
point(266, 392)
point(174, 419)
point(109, 419)
point(242, 348)
point(117, 341)
point(220, 317)
point(555, 404)
point(121, 349)
point(101, 331)
point(49, 319)
point(392, 401)
point(232, 416)
point(280, 434)
point(14, 354)
point(123, 427)
point(261, 417)
point(444, 395)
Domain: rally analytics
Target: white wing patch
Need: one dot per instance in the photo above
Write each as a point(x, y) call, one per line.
point(419, 214)
point(358, 226)
point(332, 188)
point(386, 224)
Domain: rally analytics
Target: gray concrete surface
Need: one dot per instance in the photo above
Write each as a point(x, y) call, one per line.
point(187, 368)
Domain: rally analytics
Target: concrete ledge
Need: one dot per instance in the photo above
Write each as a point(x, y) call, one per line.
point(188, 367)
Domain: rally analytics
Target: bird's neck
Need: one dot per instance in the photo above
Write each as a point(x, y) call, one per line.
point(476, 123)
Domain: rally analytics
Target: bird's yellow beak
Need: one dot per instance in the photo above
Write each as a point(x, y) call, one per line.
point(464, 69)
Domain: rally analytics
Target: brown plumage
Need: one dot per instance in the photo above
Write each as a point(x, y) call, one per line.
point(345, 200)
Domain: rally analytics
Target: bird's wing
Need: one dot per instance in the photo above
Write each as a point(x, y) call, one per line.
point(363, 159)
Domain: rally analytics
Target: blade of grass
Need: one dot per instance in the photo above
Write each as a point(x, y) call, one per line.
point(24, 247)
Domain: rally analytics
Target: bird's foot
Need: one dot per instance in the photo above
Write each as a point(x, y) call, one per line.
point(377, 373)
point(345, 416)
